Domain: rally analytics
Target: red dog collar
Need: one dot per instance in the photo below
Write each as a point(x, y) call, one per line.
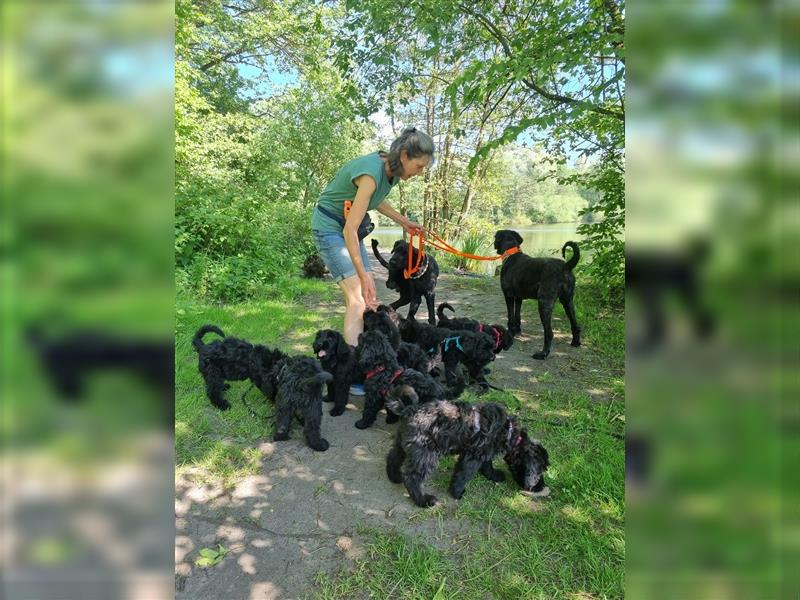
point(511, 251)
point(374, 372)
point(497, 337)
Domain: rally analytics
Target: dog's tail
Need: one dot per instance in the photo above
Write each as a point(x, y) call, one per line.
point(402, 400)
point(440, 310)
point(378, 254)
point(197, 340)
point(576, 254)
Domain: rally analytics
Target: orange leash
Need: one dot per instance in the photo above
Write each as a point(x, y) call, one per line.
point(436, 241)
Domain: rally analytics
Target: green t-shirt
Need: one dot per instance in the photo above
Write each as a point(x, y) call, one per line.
point(342, 188)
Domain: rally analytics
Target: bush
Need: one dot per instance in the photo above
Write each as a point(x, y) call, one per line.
point(230, 245)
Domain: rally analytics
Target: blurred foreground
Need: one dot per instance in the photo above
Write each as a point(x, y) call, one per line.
point(88, 301)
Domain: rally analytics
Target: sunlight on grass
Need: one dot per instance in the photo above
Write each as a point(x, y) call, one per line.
point(576, 514)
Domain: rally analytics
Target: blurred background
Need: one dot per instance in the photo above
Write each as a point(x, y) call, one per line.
point(88, 300)
point(711, 303)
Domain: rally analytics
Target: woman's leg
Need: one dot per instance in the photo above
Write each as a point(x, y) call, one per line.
point(354, 309)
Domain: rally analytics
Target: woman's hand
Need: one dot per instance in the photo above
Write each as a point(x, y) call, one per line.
point(368, 291)
point(410, 226)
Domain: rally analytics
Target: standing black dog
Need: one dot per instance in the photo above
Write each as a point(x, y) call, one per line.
point(422, 283)
point(476, 432)
point(545, 279)
point(339, 359)
point(232, 359)
point(300, 380)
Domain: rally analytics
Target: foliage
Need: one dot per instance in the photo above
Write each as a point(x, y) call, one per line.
point(271, 99)
point(210, 557)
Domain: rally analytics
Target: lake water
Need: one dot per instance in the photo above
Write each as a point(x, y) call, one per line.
point(539, 240)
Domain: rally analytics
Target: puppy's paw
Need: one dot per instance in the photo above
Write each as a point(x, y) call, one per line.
point(281, 436)
point(497, 476)
point(362, 424)
point(539, 355)
point(457, 494)
point(336, 411)
point(327, 398)
point(428, 500)
point(224, 405)
point(227, 386)
point(321, 446)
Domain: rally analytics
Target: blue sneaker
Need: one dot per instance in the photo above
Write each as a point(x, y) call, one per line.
point(357, 390)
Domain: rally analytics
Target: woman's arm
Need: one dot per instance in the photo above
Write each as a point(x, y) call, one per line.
point(407, 224)
point(366, 187)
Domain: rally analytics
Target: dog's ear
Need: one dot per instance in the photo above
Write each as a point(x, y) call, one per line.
point(517, 237)
point(398, 245)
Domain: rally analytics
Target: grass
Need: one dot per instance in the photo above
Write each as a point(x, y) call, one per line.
point(570, 545)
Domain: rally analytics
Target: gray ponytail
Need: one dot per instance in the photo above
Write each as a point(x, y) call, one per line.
point(415, 142)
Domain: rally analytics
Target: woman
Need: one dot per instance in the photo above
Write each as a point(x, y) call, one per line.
point(364, 182)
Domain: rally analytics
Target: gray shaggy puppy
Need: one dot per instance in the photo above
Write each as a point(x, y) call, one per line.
point(299, 382)
point(476, 432)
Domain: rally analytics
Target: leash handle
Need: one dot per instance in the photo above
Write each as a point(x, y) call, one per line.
point(420, 233)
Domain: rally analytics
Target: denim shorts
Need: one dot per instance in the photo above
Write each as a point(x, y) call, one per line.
point(334, 254)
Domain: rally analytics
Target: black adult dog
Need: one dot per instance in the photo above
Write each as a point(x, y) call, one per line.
point(545, 279)
point(422, 283)
point(476, 432)
point(339, 359)
point(232, 359)
point(502, 338)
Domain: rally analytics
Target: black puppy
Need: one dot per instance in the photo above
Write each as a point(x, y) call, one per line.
point(338, 358)
point(476, 432)
point(408, 355)
point(313, 267)
point(472, 349)
point(299, 382)
point(232, 359)
point(545, 279)
point(378, 361)
point(502, 338)
point(422, 283)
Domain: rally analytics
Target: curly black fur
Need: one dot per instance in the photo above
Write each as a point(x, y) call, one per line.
point(422, 283)
point(476, 432)
point(474, 350)
point(313, 267)
point(338, 358)
point(378, 361)
point(300, 381)
point(408, 355)
point(502, 338)
point(545, 279)
point(232, 359)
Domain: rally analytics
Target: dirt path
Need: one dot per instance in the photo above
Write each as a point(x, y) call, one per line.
point(302, 514)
